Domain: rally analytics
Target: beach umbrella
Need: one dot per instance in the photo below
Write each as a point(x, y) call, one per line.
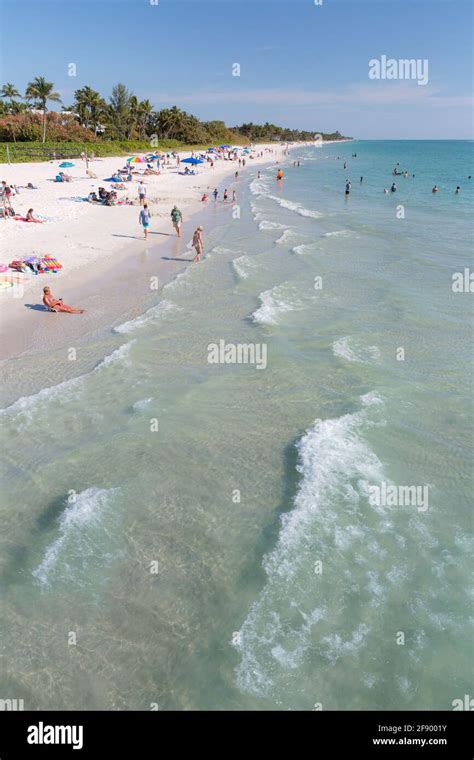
point(192, 161)
point(65, 165)
point(136, 160)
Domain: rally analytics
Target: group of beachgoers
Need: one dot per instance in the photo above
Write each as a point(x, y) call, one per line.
point(109, 198)
point(176, 220)
point(396, 173)
point(7, 192)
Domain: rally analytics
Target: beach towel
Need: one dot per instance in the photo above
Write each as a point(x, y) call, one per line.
point(51, 264)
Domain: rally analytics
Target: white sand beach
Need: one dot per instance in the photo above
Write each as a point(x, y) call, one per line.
point(90, 239)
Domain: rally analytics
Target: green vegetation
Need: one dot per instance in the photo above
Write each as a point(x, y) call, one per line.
point(122, 125)
point(22, 152)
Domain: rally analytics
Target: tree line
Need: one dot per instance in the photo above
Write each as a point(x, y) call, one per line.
point(123, 117)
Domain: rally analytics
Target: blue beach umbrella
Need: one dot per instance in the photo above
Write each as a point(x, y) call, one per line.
point(192, 161)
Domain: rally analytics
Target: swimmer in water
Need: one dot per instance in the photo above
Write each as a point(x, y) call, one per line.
point(434, 189)
point(393, 189)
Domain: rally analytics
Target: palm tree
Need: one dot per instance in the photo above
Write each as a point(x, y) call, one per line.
point(9, 91)
point(171, 121)
point(40, 91)
point(89, 106)
point(144, 112)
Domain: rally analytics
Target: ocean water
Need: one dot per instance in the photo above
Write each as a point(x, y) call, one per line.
point(183, 534)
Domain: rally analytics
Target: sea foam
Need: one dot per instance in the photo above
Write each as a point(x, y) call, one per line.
point(296, 207)
point(162, 309)
point(62, 392)
point(284, 622)
point(274, 303)
point(80, 528)
point(351, 350)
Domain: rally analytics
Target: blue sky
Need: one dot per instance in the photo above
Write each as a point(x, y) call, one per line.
point(301, 65)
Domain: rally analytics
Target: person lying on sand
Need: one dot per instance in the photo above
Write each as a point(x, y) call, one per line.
point(30, 218)
point(56, 304)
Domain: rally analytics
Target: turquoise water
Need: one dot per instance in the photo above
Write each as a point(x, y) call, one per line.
point(199, 535)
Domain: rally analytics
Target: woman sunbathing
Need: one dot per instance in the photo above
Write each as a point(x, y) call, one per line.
point(30, 218)
point(56, 304)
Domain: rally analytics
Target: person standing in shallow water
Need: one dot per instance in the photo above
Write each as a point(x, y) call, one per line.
point(197, 244)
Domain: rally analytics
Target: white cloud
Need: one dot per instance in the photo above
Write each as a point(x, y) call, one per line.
point(373, 93)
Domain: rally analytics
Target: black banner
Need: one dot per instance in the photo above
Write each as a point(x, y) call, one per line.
point(374, 734)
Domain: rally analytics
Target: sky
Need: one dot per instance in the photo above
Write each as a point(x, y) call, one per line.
point(302, 65)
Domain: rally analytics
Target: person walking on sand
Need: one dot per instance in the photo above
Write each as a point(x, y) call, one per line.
point(141, 193)
point(215, 193)
point(234, 196)
point(56, 304)
point(197, 244)
point(225, 195)
point(176, 218)
point(144, 219)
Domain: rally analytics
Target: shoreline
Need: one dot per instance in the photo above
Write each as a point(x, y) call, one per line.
point(115, 291)
point(89, 241)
